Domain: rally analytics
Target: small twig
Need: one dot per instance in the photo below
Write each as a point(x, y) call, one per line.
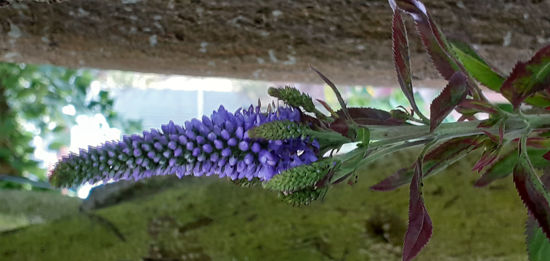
point(105, 223)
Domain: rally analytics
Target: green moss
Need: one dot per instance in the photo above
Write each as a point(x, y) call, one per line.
point(213, 219)
point(19, 208)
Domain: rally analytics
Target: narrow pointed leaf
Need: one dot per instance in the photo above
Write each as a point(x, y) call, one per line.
point(538, 142)
point(476, 66)
point(540, 99)
point(453, 94)
point(371, 116)
point(532, 192)
point(470, 107)
point(335, 90)
point(402, 59)
point(433, 40)
point(435, 161)
point(419, 230)
point(487, 158)
point(327, 107)
point(504, 166)
point(528, 78)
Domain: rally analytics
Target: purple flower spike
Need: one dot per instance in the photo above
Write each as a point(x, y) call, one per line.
point(207, 148)
point(216, 145)
point(256, 147)
point(226, 152)
point(211, 136)
point(232, 142)
point(225, 135)
point(172, 145)
point(243, 145)
point(196, 152)
point(249, 159)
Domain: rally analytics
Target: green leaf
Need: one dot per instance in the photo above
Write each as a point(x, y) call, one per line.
point(538, 246)
point(476, 66)
point(435, 161)
point(56, 145)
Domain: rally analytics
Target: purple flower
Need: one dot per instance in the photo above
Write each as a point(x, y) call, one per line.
point(217, 145)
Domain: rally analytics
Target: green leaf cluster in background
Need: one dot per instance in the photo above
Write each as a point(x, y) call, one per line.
point(33, 96)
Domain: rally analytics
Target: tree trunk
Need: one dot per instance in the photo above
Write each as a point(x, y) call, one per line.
point(6, 117)
point(266, 40)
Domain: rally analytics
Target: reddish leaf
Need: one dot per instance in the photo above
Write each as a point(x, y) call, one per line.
point(365, 116)
point(341, 126)
point(528, 78)
point(538, 142)
point(546, 156)
point(445, 154)
point(454, 93)
point(399, 178)
point(471, 107)
point(420, 227)
point(401, 58)
point(431, 37)
point(533, 193)
point(487, 158)
point(370, 116)
point(504, 166)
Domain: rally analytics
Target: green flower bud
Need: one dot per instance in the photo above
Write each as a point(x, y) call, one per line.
point(301, 177)
point(278, 130)
point(302, 197)
point(293, 97)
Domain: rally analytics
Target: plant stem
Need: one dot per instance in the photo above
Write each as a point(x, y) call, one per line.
point(514, 126)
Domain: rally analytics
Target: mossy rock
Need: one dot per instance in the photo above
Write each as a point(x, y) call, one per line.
point(212, 219)
point(20, 208)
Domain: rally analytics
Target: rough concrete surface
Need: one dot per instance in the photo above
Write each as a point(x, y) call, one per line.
point(266, 40)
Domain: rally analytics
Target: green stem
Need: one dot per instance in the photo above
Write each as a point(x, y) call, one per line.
point(514, 126)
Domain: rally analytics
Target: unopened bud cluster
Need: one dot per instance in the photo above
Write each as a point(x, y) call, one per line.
point(278, 130)
point(301, 177)
point(302, 197)
point(293, 97)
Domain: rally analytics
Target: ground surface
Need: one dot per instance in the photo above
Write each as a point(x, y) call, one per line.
point(211, 219)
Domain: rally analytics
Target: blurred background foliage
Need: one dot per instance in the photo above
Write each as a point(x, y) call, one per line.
point(32, 99)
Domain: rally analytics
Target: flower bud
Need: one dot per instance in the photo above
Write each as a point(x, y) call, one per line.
point(302, 197)
point(278, 130)
point(301, 177)
point(293, 97)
